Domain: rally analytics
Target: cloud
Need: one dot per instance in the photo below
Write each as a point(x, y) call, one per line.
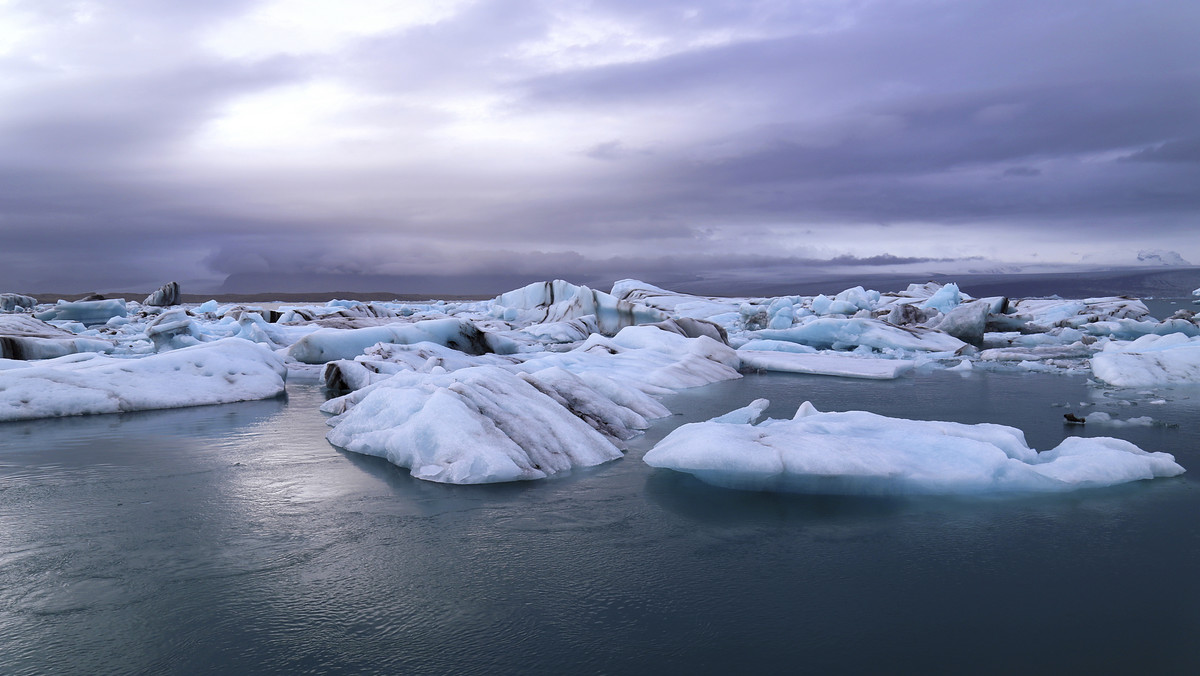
point(497, 138)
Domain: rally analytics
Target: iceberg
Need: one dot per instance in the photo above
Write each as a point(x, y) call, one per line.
point(325, 345)
point(12, 302)
point(25, 337)
point(484, 425)
point(861, 453)
point(848, 333)
point(826, 363)
point(219, 372)
point(88, 312)
point(166, 296)
point(556, 301)
point(1173, 359)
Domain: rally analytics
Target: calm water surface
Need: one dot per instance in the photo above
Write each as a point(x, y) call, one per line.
point(234, 539)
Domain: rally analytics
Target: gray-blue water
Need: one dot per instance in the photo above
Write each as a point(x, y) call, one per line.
point(234, 539)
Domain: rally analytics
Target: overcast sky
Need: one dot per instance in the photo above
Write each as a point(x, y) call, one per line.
point(387, 141)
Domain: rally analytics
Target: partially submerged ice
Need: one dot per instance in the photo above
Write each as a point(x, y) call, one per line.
point(219, 372)
point(16, 302)
point(484, 424)
point(325, 345)
point(24, 337)
point(1173, 359)
point(527, 419)
point(88, 312)
point(165, 296)
point(861, 453)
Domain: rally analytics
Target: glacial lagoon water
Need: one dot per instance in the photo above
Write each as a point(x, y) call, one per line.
point(234, 539)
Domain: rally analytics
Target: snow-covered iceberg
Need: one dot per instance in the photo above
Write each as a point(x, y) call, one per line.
point(861, 453)
point(1173, 359)
point(484, 424)
point(213, 373)
point(536, 416)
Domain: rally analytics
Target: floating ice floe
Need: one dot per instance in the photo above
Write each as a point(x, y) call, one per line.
point(484, 424)
point(89, 312)
point(1150, 360)
point(326, 345)
point(861, 453)
point(213, 373)
point(25, 337)
point(849, 333)
point(499, 429)
point(826, 363)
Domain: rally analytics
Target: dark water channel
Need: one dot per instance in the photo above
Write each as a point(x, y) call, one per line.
point(234, 539)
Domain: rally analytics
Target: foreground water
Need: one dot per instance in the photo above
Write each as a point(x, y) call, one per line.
point(234, 539)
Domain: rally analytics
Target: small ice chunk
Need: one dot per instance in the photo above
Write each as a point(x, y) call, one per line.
point(1102, 418)
point(746, 415)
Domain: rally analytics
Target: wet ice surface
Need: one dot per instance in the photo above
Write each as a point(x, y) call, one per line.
point(233, 539)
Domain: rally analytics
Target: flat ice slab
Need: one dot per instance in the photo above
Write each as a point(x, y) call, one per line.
point(219, 372)
point(825, 364)
point(861, 453)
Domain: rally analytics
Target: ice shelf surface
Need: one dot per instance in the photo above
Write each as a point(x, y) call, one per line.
point(861, 453)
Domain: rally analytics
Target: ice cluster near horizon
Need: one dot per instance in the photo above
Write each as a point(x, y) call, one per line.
point(599, 358)
point(861, 453)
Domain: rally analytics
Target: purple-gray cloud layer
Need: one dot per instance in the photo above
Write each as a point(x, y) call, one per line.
point(404, 142)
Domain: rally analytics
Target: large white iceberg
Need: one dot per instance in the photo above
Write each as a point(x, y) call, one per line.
point(484, 424)
point(1173, 359)
point(212, 373)
point(861, 453)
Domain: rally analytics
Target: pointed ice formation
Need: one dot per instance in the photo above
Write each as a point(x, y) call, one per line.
point(166, 296)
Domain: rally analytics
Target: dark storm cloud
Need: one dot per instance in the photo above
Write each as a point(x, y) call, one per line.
point(812, 118)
